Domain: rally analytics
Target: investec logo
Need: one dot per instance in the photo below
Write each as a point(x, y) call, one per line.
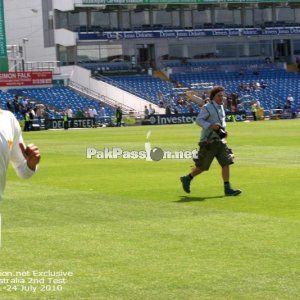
point(159, 120)
point(236, 117)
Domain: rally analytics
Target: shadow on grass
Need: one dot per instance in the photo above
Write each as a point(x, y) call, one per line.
point(191, 199)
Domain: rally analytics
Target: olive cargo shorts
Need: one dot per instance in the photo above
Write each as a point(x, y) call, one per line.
point(216, 149)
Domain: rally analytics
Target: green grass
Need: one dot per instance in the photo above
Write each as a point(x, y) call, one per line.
point(127, 230)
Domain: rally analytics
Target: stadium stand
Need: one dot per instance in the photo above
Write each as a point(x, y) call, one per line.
point(143, 85)
point(269, 86)
point(269, 83)
point(160, 92)
point(57, 99)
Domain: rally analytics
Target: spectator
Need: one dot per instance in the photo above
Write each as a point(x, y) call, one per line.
point(32, 114)
point(16, 104)
point(79, 113)
point(258, 104)
point(279, 111)
point(102, 112)
point(66, 121)
point(95, 113)
point(146, 112)
point(161, 99)
point(69, 112)
point(263, 85)
point(9, 105)
point(253, 111)
point(26, 121)
point(289, 101)
point(151, 110)
point(119, 115)
point(90, 112)
point(86, 112)
point(168, 110)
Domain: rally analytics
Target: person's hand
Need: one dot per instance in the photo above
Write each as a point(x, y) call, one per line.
point(215, 126)
point(32, 155)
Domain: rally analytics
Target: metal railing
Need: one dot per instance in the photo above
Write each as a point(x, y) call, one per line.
point(97, 96)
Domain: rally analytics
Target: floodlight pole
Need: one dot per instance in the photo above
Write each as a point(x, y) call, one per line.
point(24, 53)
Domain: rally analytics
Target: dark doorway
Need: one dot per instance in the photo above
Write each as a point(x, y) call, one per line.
point(282, 50)
point(146, 55)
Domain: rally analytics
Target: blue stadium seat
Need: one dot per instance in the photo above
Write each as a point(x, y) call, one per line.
point(56, 98)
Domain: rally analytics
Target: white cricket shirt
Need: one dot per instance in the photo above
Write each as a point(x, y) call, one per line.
point(10, 137)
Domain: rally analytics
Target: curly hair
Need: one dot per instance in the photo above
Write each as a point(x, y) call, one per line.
point(216, 89)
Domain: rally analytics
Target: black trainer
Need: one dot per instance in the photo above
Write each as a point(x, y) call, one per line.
point(186, 181)
point(231, 192)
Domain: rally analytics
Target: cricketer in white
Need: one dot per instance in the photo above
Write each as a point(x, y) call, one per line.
point(24, 159)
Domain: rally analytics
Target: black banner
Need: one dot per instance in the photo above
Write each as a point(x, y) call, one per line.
point(187, 33)
point(238, 116)
point(72, 123)
point(190, 118)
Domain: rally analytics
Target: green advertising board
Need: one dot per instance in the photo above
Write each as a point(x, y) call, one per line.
point(58, 82)
point(3, 52)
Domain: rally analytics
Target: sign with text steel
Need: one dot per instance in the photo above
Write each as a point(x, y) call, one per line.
point(72, 123)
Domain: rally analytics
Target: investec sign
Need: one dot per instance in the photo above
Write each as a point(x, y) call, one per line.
point(166, 119)
point(190, 118)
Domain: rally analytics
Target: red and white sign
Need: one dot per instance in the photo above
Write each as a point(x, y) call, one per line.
point(25, 78)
